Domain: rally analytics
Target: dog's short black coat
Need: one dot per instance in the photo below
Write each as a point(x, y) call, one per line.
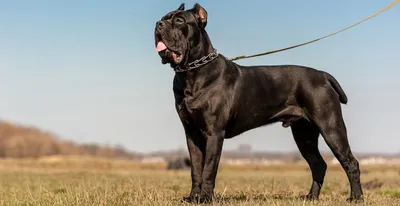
point(222, 99)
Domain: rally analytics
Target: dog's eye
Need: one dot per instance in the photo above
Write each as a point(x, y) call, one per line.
point(179, 20)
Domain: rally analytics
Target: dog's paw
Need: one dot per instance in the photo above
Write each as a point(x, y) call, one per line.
point(355, 200)
point(309, 197)
point(206, 197)
point(197, 199)
point(192, 198)
point(188, 199)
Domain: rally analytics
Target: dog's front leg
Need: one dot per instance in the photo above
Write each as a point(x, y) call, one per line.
point(196, 146)
point(214, 142)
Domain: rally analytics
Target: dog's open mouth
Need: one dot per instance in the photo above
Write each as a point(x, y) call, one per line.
point(162, 47)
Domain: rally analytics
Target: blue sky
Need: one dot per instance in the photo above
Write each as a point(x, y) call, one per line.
point(88, 70)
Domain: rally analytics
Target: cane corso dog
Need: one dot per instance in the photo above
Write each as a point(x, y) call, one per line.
point(217, 99)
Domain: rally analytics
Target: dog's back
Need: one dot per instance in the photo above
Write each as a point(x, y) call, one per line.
point(290, 86)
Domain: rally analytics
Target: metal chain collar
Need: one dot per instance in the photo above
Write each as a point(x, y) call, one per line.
point(199, 62)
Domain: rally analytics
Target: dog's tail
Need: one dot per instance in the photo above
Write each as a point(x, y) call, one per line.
point(336, 86)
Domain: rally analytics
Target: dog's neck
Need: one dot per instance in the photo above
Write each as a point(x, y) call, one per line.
point(188, 80)
point(202, 49)
point(196, 58)
point(212, 70)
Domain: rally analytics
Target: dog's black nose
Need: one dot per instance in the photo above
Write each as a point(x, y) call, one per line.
point(160, 24)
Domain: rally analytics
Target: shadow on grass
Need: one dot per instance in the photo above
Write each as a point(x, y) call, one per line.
point(257, 197)
point(226, 199)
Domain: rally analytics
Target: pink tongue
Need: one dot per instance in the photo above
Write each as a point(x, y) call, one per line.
point(161, 46)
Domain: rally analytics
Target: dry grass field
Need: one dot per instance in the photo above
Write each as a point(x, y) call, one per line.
point(86, 181)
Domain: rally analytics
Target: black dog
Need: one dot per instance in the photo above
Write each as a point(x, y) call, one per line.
point(217, 99)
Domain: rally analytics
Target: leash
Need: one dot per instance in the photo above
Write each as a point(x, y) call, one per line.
point(320, 38)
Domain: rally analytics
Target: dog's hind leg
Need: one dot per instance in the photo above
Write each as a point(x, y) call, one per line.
point(306, 137)
point(332, 127)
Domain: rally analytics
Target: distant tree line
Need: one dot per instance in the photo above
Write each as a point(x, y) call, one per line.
point(18, 141)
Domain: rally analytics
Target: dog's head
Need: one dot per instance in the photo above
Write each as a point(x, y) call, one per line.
point(179, 35)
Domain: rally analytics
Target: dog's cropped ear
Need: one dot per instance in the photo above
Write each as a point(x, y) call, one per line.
point(201, 14)
point(181, 7)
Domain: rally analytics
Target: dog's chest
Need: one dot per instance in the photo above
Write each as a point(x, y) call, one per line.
point(190, 102)
point(183, 113)
point(191, 111)
point(188, 111)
